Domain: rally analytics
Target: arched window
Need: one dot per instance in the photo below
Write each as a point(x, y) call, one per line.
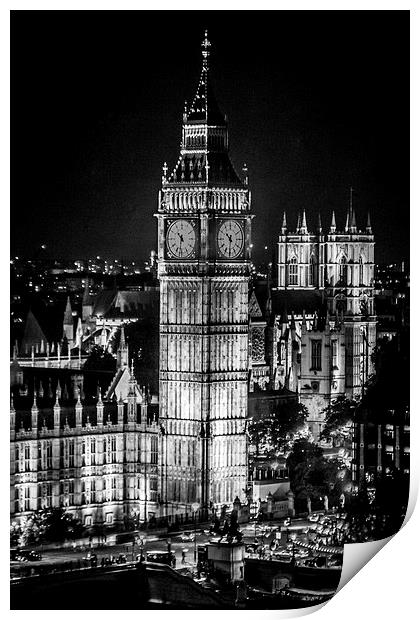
point(361, 272)
point(343, 271)
point(311, 274)
point(293, 271)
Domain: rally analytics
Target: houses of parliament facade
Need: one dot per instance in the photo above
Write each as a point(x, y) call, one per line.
point(131, 456)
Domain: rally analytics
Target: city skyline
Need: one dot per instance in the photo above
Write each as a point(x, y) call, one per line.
point(92, 144)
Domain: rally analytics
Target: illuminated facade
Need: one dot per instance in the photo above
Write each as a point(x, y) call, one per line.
point(204, 228)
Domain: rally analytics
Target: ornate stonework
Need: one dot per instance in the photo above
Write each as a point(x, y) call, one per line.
point(203, 271)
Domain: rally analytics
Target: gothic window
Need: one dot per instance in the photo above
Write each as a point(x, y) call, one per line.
point(71, 493)
point(361, 274)
point(71, 452)
point(83, 454)
point(311, 275)
point(316, 354)
point(92, 497)
point(154, 450)
point(343, 269)
point(139, 448)
point(114, 489)
point(113, 449)
point(153, 485)
point(27, 458)
point(93, 451)
point(48, 495)
point(17, 455)
point(27, 505)
point(49, 454)
point(293, 271)
point(334, 359)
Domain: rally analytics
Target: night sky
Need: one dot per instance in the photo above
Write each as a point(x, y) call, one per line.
point(316, 102)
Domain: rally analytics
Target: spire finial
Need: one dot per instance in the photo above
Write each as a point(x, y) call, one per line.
point(304, 226)
point(368, 224)
point(333, 226)
point(245, 172)
point(132, 368)
point(205, 50)
point(284, 224)
point(319, 222)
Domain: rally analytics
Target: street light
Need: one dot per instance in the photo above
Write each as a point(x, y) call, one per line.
point(195, 506)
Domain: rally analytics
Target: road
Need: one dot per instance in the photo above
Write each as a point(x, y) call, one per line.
point(252, 532)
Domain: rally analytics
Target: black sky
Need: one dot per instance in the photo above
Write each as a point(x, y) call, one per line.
point(316, 101)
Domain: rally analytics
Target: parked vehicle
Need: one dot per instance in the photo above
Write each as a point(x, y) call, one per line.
point(22, 555)
point(161, 557)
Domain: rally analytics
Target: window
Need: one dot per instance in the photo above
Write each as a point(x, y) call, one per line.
point(71, 492)
point(109, 518)
point(361, 274)
point(154, 450)
point(311, 274)
point(334, 360)
point(113, 449)
point(114, 489)
point(27, 504)
point(343, 270)
point(92, 496)
point(48, 495)
point(71, 452)
point(293, 271)
point(153, 489)
point(27, 458)
point(88, 520)
point(316, 354)
point(49, 454)
point(93, 451)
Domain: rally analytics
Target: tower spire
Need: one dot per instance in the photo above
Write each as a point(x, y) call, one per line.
point(368, 224)
point(205, 50)
point(333, 226)
point(284, 224)
point(304, 228)
point(319, 223)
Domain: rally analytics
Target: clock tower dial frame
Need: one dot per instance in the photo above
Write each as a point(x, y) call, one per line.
point(181, 239)
point(230, 239)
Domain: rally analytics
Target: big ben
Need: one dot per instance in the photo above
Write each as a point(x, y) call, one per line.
point(204, 239)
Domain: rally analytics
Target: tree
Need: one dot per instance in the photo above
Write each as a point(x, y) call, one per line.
point(338, 419)
point(100, 359)
point(275, 433)
point(46, 525)
point(313, 476)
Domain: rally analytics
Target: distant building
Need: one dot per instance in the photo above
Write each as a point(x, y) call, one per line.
point(381, 446)
point(315, 332)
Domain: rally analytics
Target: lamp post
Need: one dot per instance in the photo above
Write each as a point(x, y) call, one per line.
point(195, 507)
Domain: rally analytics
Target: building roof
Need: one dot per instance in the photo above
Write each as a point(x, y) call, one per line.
point(23, 405)
point(286, 301)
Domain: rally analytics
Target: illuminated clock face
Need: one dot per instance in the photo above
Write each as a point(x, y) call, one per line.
point(180, 239)
point(230, 239)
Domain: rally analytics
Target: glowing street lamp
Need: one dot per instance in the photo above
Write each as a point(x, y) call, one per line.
point(195, 507)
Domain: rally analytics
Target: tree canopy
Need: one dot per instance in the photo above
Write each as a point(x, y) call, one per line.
point(276, 432)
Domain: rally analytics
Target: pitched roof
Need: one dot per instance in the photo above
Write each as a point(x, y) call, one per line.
point(33, 334)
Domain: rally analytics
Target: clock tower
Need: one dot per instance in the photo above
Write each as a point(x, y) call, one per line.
point(204, 238)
